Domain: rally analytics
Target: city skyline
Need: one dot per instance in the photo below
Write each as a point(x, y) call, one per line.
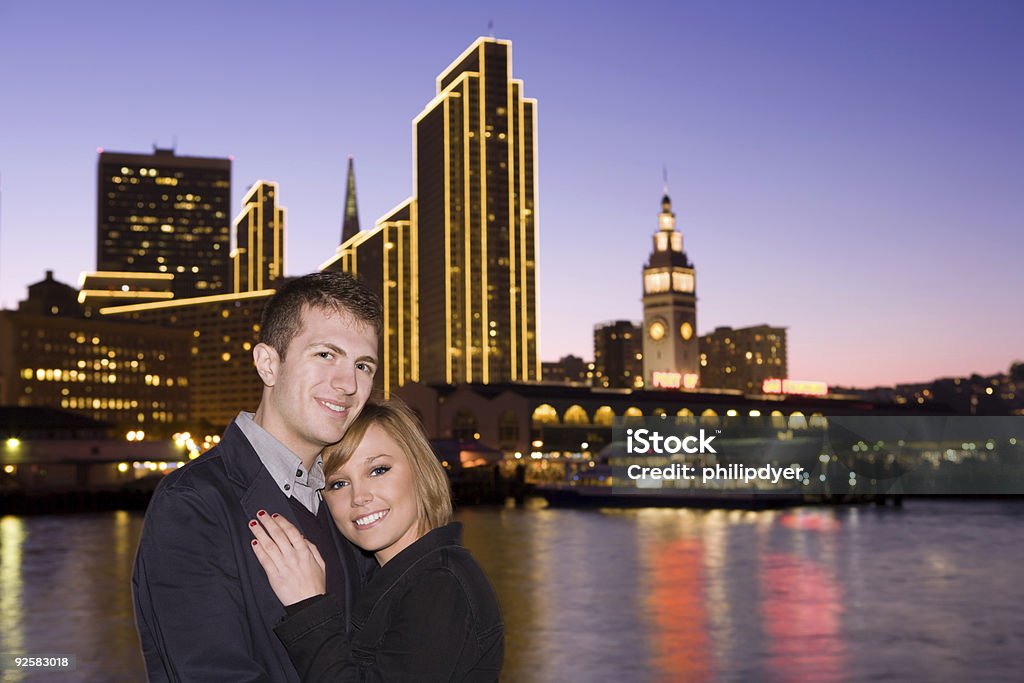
point(893, 127)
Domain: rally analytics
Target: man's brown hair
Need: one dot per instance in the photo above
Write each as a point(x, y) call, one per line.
point(336, 292)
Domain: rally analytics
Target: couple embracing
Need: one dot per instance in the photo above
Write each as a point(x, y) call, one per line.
point(315, 542)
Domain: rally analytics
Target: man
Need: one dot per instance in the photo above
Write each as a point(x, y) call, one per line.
point(204, 609)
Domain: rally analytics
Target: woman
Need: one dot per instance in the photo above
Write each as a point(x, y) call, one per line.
point(428, 613)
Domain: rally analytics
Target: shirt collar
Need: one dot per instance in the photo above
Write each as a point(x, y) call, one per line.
point(284, 466)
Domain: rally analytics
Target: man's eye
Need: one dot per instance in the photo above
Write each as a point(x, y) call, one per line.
point(337, 484)
point(365, 367)
point(379, 470)
point(327, 355)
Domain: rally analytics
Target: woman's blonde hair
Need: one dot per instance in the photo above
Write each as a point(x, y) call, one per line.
point(433, 491)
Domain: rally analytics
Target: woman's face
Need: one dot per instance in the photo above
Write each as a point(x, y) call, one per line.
point(372, 498)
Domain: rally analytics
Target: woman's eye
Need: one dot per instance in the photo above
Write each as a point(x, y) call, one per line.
point(335, 485)
point(379, 470)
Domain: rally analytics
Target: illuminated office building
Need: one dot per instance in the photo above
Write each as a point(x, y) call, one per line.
point(52, 356)
point(220, 331)
point(102, 289)
point(384, 259)
point(257, 261)
point(670, 309)
point(163, 213)
point(475, 218)
point(618, 354)
point(743, 358)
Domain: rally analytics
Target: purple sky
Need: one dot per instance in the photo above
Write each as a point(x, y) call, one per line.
point(852, 171)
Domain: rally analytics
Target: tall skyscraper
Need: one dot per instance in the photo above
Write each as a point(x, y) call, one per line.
point(670, 309)
point(258, 257)
point(350, 224)
point(163, 213)
point(475, 216)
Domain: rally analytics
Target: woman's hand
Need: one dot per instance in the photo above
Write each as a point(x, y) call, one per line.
point(293, 564)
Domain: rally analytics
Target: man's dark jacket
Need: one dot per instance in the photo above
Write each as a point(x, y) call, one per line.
point(203, 607)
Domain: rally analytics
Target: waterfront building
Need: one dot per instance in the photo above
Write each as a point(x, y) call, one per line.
point(618, 354)
point(743, 358)
point(257, 261)
point(475, 216)
point(164, 213)
point(670, 346)
point(133, 376)
point(43, 450)
point(566, 420)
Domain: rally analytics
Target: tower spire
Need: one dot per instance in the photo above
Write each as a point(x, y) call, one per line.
point(350, 225)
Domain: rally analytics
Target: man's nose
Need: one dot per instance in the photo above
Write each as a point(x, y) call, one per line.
point(343, 378)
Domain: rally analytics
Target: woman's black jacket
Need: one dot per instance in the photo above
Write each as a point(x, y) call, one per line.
point(429, 614)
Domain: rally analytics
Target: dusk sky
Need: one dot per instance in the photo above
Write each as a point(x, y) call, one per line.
point(853, 171)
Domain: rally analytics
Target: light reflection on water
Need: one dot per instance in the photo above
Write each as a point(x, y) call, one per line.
point(928, 592)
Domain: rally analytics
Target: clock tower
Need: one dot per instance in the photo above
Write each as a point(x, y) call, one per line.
point(671, 357)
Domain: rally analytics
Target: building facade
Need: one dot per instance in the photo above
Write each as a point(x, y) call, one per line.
point(163, 213)
point(618, 354)
point(670, 345)
point(102, 289)
point(132, 376)
point(257, 261)
point(384, 259)
point(475, 215)
point(569, 369)
point(219, 332)
point(743, 358)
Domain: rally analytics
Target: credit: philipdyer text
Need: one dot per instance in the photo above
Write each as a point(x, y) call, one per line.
point(734, 472)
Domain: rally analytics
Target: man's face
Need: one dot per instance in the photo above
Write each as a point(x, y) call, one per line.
point(322, 383)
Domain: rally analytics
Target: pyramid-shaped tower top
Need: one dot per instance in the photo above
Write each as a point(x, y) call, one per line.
point(668, 242)
point(350, 225)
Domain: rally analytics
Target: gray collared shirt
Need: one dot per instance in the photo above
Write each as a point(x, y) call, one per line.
point(284, 466)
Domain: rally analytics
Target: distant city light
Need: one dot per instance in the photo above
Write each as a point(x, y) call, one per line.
point(793, 386)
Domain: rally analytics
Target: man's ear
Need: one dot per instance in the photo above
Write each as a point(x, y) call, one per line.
point(267, 363)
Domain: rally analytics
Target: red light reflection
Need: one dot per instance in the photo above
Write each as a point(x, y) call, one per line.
point(802, 609)
point(676, 600)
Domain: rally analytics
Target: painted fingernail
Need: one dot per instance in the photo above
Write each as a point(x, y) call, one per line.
point(252, 523)
point(275, 515)
point(255, 542)
point(261, 513)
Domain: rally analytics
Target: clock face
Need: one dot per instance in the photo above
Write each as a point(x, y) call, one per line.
point(686, 331)
point(656, 330)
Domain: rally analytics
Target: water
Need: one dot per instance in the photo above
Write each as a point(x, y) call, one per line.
point(929, 592)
